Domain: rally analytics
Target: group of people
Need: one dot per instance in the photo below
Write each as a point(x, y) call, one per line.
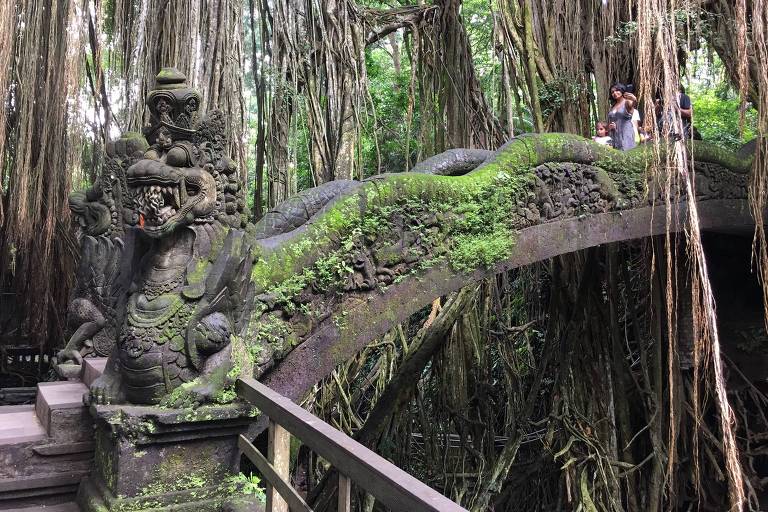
point(623, 130)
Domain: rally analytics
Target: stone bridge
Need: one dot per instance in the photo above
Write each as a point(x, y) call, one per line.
point(192, 296)
point(306, 288)
point(340, 265)
point(186, 297)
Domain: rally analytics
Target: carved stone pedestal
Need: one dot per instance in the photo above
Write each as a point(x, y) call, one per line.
point(149, 458)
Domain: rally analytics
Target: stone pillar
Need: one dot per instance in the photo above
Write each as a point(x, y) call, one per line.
point(150, 458)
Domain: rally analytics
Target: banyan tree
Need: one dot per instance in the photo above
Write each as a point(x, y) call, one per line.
point(392, 214)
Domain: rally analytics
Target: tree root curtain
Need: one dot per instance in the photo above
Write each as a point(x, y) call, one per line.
point(550, 391)
point(37, 149)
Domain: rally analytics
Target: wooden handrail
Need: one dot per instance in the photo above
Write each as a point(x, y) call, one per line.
point(386, 482)
point(289, 494)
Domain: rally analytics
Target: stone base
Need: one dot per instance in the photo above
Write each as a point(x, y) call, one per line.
point(92, 497)
point(149, 458)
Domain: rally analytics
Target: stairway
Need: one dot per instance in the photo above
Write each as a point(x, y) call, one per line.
point(46, 448)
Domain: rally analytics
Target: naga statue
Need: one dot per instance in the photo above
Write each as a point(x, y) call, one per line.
point(175, 274)
point(189, 296)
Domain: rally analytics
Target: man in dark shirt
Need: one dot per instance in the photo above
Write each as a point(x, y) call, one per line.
point(686, 112)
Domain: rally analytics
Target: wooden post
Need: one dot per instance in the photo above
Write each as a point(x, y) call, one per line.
point(278, 454)
point(345, 493)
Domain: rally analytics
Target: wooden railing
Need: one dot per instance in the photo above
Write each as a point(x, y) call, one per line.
point(392, 486)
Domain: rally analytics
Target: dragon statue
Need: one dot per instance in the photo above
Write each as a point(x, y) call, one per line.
point(186, 296)
point(164, 273)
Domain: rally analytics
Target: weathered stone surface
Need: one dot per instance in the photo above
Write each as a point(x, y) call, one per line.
point(46, 448)
point(202, 299)
point(366, 317)
point(153, 458)
point(453, 162)
point(34, 468)
point(92, 369)
point(60, 408)
point(19, 424)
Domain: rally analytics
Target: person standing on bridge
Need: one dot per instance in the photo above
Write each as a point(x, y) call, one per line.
point(602, 137)
point(620, 125)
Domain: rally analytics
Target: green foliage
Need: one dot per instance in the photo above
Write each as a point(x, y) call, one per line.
point(389, 96)
point(109, 17)
point(331, 270)
point(716, 116)
point(558, 92)
point(622, 34)
point(248, 485)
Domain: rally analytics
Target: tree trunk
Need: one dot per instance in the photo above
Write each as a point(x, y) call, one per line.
point(37, 249)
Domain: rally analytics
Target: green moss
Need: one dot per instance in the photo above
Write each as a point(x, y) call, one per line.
point(181, 397)
point(473, 252)
point(148, 426)
point(199, 272)
point(137, 140)
point(478, 214)
point(182, 481)
point(708, 152)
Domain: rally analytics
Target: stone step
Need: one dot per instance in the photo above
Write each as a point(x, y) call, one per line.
point(19, 424)
point(40, 488)
point(47, 448)
point(61, 411)
point(62, 507)
point(92, 369)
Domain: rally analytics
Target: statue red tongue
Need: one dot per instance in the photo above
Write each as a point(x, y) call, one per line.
point(141, 220)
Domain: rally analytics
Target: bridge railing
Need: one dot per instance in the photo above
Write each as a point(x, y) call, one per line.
point(392, 486)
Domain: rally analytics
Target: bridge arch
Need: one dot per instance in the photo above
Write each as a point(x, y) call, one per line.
point(568, 194)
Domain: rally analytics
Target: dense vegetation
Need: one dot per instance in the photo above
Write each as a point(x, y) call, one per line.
point(504, 415)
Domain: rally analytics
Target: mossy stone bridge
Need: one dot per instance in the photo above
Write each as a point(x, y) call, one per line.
point(304, 290)
point(341, 264)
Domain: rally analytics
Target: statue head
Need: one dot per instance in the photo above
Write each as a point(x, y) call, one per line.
point(185, 176)
point(162, 106)
point(191, 107)
point(166, 197)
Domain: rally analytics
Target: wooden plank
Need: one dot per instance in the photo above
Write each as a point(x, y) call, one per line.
point(389, 484)
point(294, 501)
point(278, 455)
point(345, 494)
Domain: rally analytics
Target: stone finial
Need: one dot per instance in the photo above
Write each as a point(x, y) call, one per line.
point(173, 105)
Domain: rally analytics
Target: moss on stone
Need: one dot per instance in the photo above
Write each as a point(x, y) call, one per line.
point(478, 212)
point(514, 161)
point(471, 253)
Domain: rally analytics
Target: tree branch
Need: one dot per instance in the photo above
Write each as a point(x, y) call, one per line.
point(382, 23)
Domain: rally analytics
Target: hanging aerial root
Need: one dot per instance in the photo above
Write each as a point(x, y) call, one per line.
point(659, 72)
point(758, 186)
point(7, 28)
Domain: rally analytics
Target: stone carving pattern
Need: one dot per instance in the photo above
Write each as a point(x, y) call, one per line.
point(183, 299)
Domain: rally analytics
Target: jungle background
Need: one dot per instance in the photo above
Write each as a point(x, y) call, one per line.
point(481, 395)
